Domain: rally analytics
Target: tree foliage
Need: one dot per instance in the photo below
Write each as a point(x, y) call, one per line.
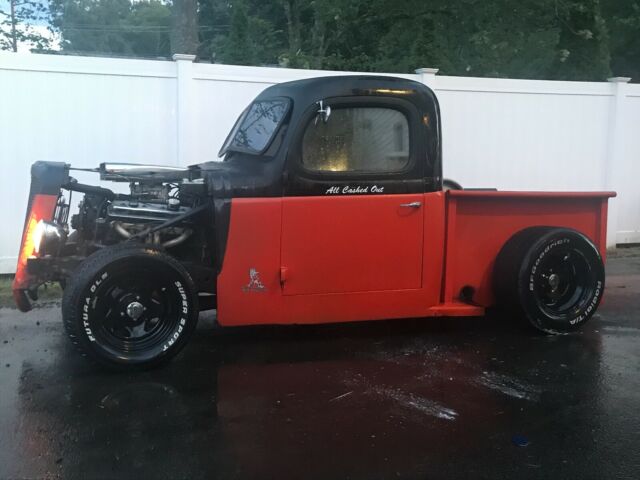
point(17, 19)
point(113, 27)
point(623, 23)
point(184, 26)
point(583, 45)
point(554, 39)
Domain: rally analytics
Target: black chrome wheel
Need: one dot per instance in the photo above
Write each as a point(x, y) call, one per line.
point(554, 276)
point(130, 306)
point(135, 312)
point(564, 282)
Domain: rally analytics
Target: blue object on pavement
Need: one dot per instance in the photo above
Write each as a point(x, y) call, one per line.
point(520, 440)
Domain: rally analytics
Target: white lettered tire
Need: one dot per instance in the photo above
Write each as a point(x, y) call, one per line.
point(552, 276)
point(130, 306)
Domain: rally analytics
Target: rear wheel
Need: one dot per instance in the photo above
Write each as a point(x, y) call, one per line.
point(552, 276)
point(130, 306)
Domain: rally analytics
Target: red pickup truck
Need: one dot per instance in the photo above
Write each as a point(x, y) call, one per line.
point(328, 206)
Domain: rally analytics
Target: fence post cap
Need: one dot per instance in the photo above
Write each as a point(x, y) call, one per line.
point(431, 71)
point(183, 56)
point(619, 79)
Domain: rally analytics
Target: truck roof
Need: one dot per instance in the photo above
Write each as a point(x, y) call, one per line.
point(311, 90)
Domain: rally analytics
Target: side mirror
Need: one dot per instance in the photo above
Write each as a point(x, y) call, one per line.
point(323, 112)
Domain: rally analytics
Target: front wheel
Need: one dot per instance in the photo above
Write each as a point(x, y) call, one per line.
point(553, 276)
point(130, 306)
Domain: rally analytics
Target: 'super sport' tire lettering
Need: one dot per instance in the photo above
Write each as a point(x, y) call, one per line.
point(183, 320)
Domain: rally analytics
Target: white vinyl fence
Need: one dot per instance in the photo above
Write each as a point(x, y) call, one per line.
point(504, 133)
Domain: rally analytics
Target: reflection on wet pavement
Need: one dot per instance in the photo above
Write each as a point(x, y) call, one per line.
point(435, 398)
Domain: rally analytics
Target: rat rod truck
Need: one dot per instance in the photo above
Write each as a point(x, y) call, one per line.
point(328, 207)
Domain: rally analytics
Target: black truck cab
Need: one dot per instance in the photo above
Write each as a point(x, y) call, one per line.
point(308, 137)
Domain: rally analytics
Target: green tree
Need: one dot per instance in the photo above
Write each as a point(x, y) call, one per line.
point(461, 37)
point(16, 24)
point(184, 26)
point(582, 52)
point(113, 27)
point(557, 39)
point(237, 48)
point(243, 32)
point(623, 20)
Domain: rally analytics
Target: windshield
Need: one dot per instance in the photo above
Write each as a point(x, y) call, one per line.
point(256, 127)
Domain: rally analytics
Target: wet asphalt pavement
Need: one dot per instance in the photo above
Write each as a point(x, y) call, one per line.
point(418, 399)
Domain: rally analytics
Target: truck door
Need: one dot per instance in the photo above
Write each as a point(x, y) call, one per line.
point(352, 218)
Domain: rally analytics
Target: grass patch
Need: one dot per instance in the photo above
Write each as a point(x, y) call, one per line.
point(47, 293)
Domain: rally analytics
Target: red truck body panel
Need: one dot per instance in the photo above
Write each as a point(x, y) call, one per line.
point(351, 244)
point(479, 223)
point(297, 260)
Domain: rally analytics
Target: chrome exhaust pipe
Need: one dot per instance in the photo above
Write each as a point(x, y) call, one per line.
point(128, 172)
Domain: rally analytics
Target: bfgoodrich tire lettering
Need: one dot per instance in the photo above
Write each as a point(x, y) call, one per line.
point(130, 306)
point(552, 276)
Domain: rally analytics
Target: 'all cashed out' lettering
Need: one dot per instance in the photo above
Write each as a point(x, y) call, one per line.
point(357, 190)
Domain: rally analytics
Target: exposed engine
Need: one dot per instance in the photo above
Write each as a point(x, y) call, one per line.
point(131, 217)
point(157, 195)
point(165, 208)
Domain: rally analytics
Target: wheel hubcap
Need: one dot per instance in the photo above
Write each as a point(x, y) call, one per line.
point(135, 310)
point(554, 281)
point(565, 282)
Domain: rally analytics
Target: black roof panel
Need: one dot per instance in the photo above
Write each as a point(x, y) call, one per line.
point(311, 90)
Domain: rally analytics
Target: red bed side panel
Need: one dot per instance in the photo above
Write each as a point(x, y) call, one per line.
point(479, 223)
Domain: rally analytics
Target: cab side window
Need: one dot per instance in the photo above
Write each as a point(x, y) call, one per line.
point(357, 139)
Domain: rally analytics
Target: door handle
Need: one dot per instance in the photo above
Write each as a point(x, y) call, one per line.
point(411, 205)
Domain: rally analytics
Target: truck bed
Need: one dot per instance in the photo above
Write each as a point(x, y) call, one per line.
point(478, 223)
